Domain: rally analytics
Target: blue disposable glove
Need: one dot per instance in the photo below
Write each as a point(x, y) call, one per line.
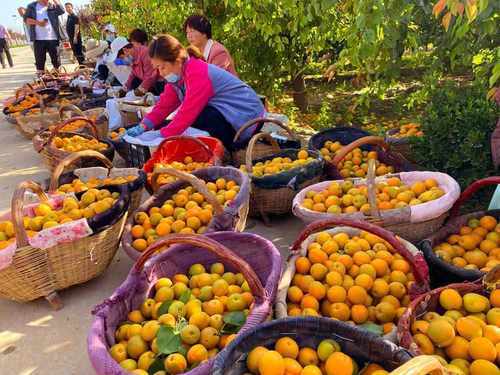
point(136, 130)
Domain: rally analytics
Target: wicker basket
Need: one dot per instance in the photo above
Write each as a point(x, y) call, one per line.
point(229, 218)
point(97, 116)
point(135, 188)
point(385, 155)
point(342, 134)
point(362, 346)
point(400, 221)
point(261, 149)
point(399, 145)
point(257, 258)
point(36, 273)
point(444, 272)
point(353, 227)
point(274, 194)
point(52, 156)
point(201, 149)
point(430, 302)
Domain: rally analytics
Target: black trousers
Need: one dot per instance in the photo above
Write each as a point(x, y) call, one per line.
point(214, 123)
point(4, 47)
point(41, 48)
point(78, 51)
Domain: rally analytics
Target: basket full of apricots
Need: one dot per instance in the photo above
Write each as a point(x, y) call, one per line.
point(351, 271)
point(459, 324)
point(209, 199)
point(468, 245)
point(411, 204)
point(310, 346)
point(177, 310)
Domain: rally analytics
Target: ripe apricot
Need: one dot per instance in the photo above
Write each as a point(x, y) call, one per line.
point(287, 347)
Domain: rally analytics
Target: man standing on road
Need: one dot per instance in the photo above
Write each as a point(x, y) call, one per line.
point(42, 16)
point(74, 35)
point(4, 46)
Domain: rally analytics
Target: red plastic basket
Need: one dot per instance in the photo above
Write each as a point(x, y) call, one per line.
point(200, 149)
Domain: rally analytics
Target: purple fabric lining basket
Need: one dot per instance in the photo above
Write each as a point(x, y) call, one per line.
point(228, 221)
point(260, 255)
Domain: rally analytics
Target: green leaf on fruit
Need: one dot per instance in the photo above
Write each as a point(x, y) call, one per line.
point(164, 308)
point(156, 366)
point(168, 341)
point(233, 321)
point(184, 298)
point(374, 328)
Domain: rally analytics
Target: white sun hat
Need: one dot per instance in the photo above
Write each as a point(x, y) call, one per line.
point(116, 46)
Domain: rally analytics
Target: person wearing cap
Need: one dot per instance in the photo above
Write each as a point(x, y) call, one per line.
point(42, 17)
point(109, 32)
point(199, 33)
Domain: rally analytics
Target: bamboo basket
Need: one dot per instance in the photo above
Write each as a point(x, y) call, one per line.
point(255, 257)
point(52, 156)
point(362, 346)
point(261, 149)
point(442, 271)
point(97, 116)
point(299, 248)
point(135, 188)
point(36, 273)
point(30, 125)
point(230, 218)
point(399, 145)
point(276, 200)
point(398, 221)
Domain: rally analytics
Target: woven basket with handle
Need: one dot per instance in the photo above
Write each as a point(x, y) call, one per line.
point(263, 147)
point(274, 194)
point(442, 271)
point(430, 302)
point(362, 346)
point(399, 145)
point(397, 220)
point(384, 151)
point(135, 188)
point(52, 156)
point(353, 227)
point(255, 257)
point(36, 273)
point(96, 115)
point(231, 217)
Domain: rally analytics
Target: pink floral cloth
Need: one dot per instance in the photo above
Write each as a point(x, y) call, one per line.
point(64, 233)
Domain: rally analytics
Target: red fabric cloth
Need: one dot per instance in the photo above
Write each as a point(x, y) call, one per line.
point(220, 56)
point(142, 69)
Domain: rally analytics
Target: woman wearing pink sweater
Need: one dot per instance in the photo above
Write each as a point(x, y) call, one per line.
point(199, 33)
point(207, 97)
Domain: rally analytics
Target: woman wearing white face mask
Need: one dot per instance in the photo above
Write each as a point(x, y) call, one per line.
point(208, 98)
point(109, 32)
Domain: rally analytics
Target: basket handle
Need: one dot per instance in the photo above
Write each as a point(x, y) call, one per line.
point(368, 140)
point(372, 189)
point(70, 108)
point(472, 189)
point(421, 365)
point(25, 89)
point(17, 209)
point(363, 225)
point(251, 145)
point(40, 100)
point(199, 142)
point(88, 122)
point(214, 247)
point(264, 119)
point(194, 181)
point(70, 159)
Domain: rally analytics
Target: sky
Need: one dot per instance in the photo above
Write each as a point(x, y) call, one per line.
point(10, 9)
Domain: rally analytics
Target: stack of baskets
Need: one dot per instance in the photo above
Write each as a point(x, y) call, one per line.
point(33, 272)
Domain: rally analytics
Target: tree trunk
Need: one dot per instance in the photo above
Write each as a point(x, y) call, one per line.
point(299, 92)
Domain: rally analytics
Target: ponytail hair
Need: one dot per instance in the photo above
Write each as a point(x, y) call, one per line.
point(167, 48)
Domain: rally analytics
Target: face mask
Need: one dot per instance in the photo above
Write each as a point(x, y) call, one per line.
point(172, 78)
point(110, 37)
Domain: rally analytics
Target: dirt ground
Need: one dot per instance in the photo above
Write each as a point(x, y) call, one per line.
point(33, 338)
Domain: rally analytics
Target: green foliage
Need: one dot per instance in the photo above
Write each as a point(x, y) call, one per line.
point(325, 118)
point(457, 126)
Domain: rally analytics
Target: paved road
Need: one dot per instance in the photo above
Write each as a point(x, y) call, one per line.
point(33, 338)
